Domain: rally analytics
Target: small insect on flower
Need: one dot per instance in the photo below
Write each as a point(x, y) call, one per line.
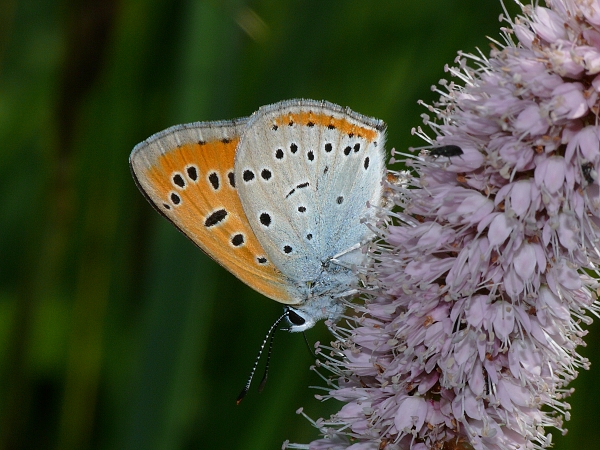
point(447, 151)
point(588, 172)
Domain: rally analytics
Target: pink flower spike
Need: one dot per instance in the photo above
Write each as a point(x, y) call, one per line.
point(477, 293)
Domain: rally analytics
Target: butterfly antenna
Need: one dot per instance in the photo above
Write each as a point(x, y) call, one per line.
point(308, 346)
point(261, 386)
point(262, 347)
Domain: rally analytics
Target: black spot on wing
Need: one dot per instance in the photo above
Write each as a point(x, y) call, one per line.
point(213, 178)
point(215, 218)
point(300, 186)
point(178, 180)
point(266, 174)
point(192, 173)
point(265, 219)
point(237, 240)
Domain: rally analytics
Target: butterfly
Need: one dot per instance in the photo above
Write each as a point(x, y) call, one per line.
point(281, 199)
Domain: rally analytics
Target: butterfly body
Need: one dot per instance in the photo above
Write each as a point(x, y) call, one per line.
point(281, 199)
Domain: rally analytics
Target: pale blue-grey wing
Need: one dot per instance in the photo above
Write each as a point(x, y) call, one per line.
point(306, 171)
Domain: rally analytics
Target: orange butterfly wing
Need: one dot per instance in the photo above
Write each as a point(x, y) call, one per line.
point(186, 172)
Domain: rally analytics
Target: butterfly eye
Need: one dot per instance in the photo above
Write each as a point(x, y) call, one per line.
point(294, 318)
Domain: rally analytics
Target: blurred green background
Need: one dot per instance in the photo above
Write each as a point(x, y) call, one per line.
point(115, 331)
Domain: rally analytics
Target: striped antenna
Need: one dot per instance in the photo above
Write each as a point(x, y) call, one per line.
point(270, 335)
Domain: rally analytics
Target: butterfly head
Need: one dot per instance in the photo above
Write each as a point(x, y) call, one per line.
point(301, 318)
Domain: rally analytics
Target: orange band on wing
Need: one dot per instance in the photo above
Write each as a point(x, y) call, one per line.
point(213, 217)
point(328, 121)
